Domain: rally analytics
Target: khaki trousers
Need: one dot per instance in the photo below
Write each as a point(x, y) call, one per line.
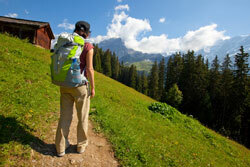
point(79, 96)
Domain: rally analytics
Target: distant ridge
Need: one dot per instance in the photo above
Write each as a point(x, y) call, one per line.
point(230, 46)
point(125, 54)
point(221, 49)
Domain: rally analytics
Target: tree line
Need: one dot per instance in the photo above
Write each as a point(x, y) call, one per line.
point(216, 94)
point(107, 62)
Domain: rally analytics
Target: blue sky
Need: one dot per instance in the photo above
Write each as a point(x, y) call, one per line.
point(149, 26)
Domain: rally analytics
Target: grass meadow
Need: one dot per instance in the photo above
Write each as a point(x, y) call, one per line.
point(141, 131)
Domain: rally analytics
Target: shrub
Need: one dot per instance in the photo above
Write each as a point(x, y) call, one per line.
point(164, 109)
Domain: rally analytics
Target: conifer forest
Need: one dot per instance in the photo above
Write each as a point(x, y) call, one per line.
point(215, 93)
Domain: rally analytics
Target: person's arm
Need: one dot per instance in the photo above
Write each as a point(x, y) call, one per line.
point(90, 70)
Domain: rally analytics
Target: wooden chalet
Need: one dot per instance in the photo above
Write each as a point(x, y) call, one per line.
point(38, 33)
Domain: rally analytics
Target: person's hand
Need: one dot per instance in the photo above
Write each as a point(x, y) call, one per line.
point(92, 93)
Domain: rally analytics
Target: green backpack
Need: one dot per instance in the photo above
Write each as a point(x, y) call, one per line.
point(65, 62)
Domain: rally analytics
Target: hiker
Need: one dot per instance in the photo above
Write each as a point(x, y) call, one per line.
point(78, 97)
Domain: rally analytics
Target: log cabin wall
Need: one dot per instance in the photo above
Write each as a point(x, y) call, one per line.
point(20, 31)
point(42, 38)
point(38, 33)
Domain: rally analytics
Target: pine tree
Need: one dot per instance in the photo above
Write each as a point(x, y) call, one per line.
point(174, 70)
point(107, 64)
point(132, 76)
point(215, 92)
point(174, 96)
point(113, 65)
point(124, 74)
point(144, 83)
point(200, 93)
point(94, 58)
point(121, 75)
point(207, 64)
point(161, 79)
point(138, 82)
point(102, 56)
point(116, 68)
point(186, 82)
point(177, 67)
point(169, 74)
point(227, 96)
point(241, 86)
point(153, 81)
point(97, 60)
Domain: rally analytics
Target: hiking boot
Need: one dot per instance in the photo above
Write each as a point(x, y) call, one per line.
point(66, 147)
point(82, 148)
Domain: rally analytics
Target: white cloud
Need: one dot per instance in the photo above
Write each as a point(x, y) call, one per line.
point(54, 41)
point(202, 38)
point(119, 0)
point(66, 25)
point(122, 7)
point(162, 20)
point(129, 29)
point(14, 15)
point(26, 11)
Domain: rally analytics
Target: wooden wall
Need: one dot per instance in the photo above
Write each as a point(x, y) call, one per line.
point(38, 36)
point(42, 38)
point(20, 31)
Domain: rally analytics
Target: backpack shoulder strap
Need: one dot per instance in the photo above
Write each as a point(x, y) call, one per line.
point(78, 39)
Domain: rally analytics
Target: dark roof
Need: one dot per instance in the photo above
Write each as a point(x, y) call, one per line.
point(36, 24)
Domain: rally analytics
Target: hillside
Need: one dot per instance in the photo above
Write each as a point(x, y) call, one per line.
point(28, 101)
point(143, 138)
point(29, 105)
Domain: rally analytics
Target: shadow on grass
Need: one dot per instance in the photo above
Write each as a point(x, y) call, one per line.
point(13, 130)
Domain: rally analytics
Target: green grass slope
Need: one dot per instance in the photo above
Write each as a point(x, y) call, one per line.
point(142, 65)
point(29, 104)
point(141, 137)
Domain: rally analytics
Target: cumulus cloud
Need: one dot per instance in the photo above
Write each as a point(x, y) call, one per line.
point(162, 20)
point(204, 37)
point(122, 7)
point(124, 27)
point(66, 25)
point(13, 15)
point(54, 41)
point(129, 29)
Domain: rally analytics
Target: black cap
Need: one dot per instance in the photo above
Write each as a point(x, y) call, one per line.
point(82, 25)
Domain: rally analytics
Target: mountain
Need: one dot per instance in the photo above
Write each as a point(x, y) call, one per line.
point(143, 61)
point(125, 54)
point(230, 46)
point(221, 49)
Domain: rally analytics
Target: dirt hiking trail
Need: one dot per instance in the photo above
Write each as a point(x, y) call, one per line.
point(97, 154)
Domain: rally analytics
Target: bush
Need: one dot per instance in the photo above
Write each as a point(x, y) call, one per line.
point(164, 109)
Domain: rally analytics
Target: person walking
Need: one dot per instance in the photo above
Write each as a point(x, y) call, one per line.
point(77, 97)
